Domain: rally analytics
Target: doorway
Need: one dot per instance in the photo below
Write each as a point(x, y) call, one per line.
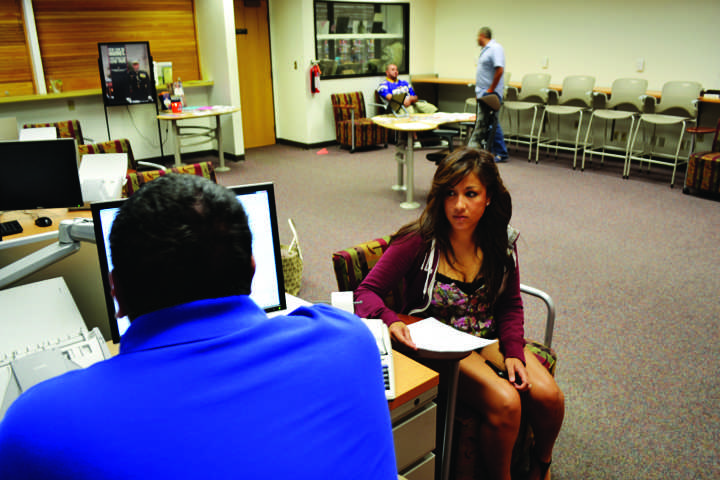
point(252, 38)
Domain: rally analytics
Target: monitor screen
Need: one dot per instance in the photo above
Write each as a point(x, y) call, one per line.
point(126, 73)
point(39, 174)
point(268, 288)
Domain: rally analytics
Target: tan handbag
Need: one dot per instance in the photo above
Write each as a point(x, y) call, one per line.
point(292, 263)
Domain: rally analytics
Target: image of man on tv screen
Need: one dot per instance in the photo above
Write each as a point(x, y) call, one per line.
point(139, 83)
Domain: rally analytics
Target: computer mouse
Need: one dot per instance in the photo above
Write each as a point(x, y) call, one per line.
point(43, 221)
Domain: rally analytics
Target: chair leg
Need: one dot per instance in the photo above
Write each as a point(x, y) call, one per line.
point(532, 129)
point(677, 154)
point(631, 146)
point(587, 134)
point(577, 139)
point(540, 126)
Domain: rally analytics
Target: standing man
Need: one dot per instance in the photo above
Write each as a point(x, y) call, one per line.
point(489, 81)
point(205, 385)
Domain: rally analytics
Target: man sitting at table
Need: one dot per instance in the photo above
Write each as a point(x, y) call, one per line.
point(205, 385)
point(394, 88)
point(394, 91)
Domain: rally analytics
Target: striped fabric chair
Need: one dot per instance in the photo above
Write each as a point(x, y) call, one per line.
point(113, 146)
point(353, 264)
point(703, 170)
point(66, 129)
point(135, 180)
point(352, 127)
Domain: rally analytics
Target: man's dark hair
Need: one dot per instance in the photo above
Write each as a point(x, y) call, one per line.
point(486, 32)
point(180, 238)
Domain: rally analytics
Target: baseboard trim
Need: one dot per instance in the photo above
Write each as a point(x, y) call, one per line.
point(189, 156)
point(293, 143)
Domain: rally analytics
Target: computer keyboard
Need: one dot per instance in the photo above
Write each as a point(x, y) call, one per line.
point(382, 338)
point(10, 228)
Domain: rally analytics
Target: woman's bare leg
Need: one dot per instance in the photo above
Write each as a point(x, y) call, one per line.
point(546, 409)
point(498, 404)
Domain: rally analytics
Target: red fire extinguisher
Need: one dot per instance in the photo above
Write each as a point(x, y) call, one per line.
point(315, 78)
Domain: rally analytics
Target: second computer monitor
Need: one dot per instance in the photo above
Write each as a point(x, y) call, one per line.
point(39, 174)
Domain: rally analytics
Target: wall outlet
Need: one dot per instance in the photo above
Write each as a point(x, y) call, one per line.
point(640, 64)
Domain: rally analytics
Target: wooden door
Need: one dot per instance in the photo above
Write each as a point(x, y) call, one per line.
point(252, 37)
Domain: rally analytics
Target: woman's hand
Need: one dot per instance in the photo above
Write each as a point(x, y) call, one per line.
point(400, 332)
point(517, 374)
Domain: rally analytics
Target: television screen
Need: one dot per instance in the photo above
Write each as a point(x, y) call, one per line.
point(39, 174)
point(126, 73)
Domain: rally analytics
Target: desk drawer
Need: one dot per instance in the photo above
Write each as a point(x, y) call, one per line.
point(425, 470)
point(415, 437)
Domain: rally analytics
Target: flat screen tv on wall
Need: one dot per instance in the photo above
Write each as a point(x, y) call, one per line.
point(126, 73)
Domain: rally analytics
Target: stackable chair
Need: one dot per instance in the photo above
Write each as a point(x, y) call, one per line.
point(574, 100)
point(353, 264)
point(703, 170)
point(531, 97)
point(624, 107)
point(677, 107)
point(467, 127)
point(352, 127)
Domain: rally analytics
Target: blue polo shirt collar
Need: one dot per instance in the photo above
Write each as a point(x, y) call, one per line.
point(191, 322)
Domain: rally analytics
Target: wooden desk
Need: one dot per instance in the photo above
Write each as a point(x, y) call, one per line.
point(32, 233)
point(206, 134)
point(414, 418)
point(80, 270)
point(404, 155)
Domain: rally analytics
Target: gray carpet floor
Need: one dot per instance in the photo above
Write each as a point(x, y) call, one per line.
point(632, 265)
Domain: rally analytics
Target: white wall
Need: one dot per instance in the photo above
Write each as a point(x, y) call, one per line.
point(603, 39)
point(215, 24)
point(306, 118)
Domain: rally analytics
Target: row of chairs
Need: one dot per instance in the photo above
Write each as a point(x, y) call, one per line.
point(139, 172)
point(628, 105)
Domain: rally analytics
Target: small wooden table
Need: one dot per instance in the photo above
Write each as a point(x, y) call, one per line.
point(206, 134)
point(404, 154)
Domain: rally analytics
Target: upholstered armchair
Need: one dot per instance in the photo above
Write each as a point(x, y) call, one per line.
point(352, 127)
point(65, 128)
point(113, 146)
point(71, 129)
point(703, 170)
point(135, 180)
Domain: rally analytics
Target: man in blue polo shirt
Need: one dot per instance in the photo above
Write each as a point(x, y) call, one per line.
point(205, 385)
point(489, 81)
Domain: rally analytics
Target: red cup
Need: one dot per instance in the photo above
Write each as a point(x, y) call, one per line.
point(176, 107)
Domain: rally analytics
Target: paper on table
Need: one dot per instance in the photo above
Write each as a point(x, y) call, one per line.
point(433, 335)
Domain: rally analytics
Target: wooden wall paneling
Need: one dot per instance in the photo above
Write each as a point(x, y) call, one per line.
point(16, 76)
point(69, 31)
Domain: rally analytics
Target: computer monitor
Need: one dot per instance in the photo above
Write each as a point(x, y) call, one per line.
point(126, 73)
point(267, 289)
point(39, 174)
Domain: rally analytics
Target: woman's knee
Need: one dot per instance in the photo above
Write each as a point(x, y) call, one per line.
point(504, 409)
point(548, 396)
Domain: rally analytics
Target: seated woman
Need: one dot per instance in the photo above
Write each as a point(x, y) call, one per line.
point(459, 263)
